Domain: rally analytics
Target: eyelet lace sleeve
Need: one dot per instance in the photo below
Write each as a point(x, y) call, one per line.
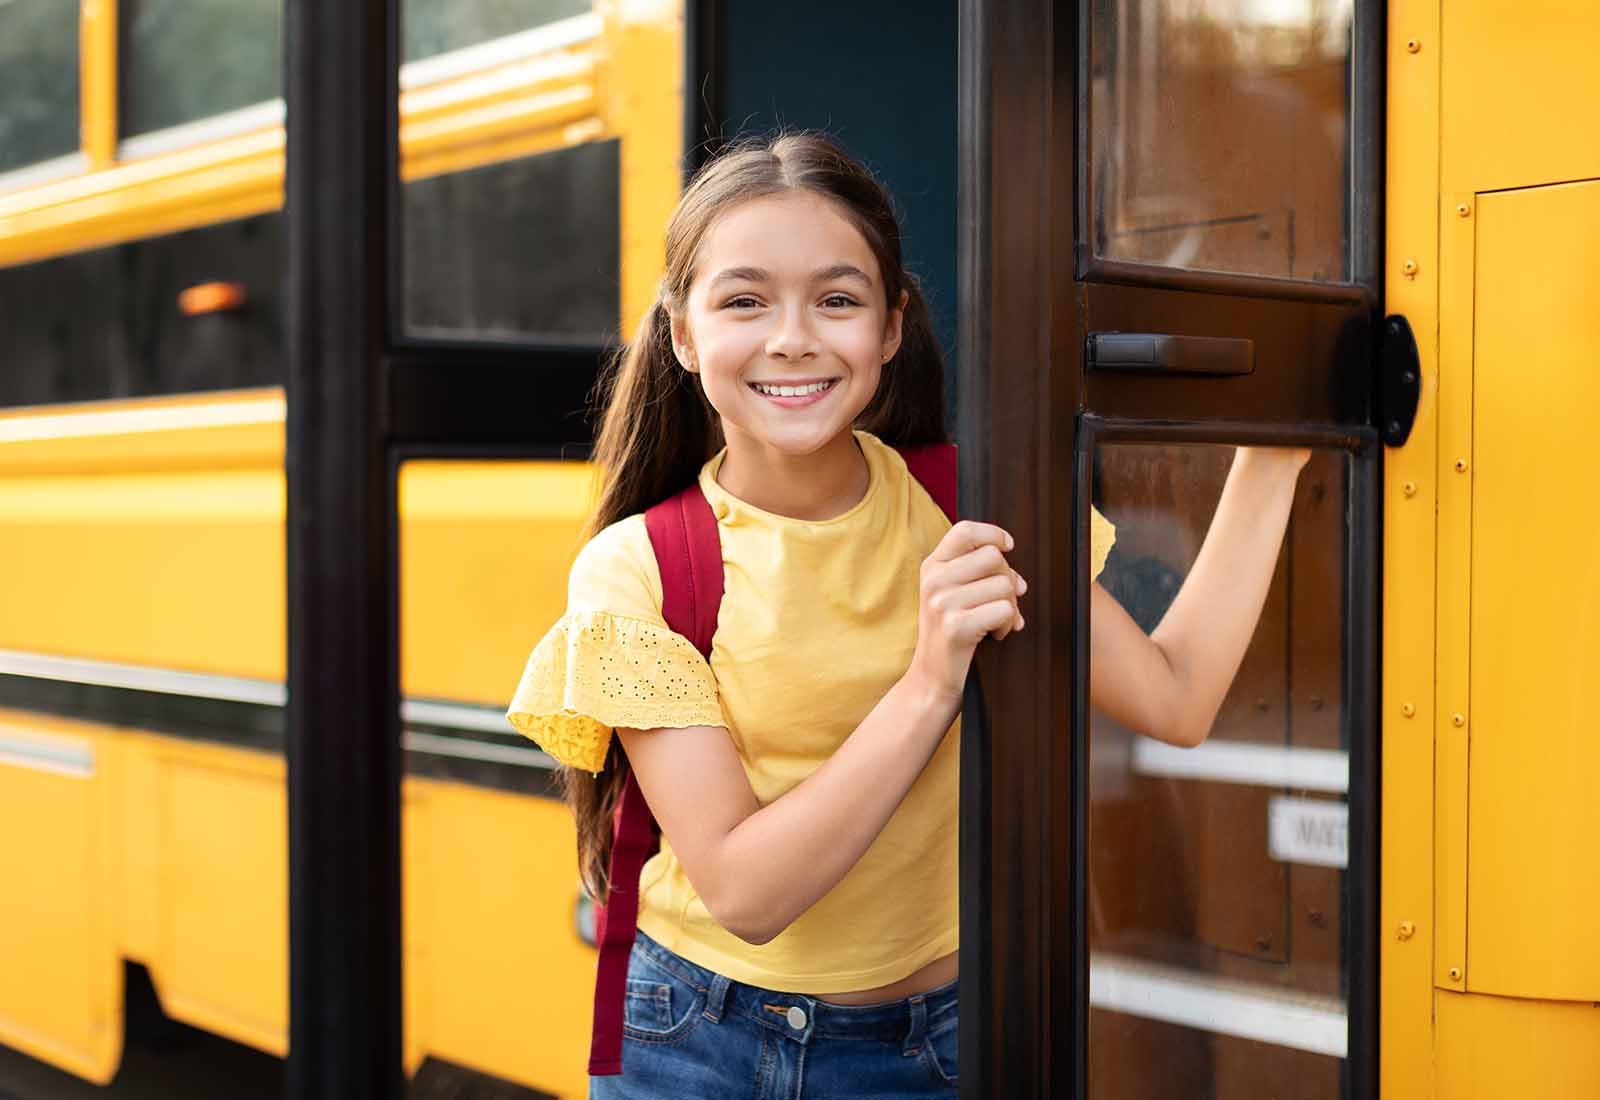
point(595, 671)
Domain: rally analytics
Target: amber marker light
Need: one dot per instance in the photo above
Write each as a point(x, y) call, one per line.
point(211, 298)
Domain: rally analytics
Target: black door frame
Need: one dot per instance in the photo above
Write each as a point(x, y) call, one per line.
point(362, 397)
point(1028, 291)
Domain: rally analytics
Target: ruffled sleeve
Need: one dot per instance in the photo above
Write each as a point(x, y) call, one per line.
point(611, 660)
point(1102, 537)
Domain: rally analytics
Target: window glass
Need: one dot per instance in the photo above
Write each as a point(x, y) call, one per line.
point(429, 27)
point(107, 323)
point(1220, 135)
point(38, 81)
point(1221, 891)
point(528, 249)
point(182, 61)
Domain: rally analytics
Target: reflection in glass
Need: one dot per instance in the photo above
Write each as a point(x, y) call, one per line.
point(1220, 135)
point(432, 28)
point(497, 974)
point(1217, 879)
point(38, 81)
point(183, 61)
point(528, 249)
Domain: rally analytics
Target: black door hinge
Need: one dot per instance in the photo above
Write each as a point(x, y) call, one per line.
point(1401, 383)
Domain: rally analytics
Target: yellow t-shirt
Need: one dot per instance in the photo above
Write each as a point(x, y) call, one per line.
point(818, 620)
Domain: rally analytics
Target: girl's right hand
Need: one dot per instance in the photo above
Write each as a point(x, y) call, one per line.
point(968, 591)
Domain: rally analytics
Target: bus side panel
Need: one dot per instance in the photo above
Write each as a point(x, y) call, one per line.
point(221, 949)
point(60, 978)
point(494, 882)
point(1533, 883)
point(1491, 1048)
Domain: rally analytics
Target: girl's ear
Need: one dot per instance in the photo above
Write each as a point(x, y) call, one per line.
point(893, 326)
point(682, 342)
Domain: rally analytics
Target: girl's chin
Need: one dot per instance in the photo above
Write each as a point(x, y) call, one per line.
point(795, 440)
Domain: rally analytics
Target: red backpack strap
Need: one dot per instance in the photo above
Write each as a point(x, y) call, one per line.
point(934, 466)
point(688, 548)
point(688, 545)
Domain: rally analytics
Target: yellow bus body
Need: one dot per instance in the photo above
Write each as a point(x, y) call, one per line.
point(1490, 975)
point(164, 547)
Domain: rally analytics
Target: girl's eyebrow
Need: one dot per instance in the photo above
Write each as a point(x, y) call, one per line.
point(739, 275)
point(823, 275)
point(842, 271)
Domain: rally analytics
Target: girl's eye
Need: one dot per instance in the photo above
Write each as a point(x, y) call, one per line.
point(742, 301)
point(838, 301)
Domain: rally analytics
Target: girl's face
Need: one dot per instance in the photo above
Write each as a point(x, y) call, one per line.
point(786, 323)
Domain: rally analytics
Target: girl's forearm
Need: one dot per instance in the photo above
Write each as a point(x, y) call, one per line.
point(1205, 632)
point(779, 861)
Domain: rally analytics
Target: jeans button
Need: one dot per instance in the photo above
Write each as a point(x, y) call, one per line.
point(797, 1018)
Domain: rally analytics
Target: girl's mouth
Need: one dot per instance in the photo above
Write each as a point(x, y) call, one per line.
point(797, 395)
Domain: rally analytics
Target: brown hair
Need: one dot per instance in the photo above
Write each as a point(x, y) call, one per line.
point(657, 428)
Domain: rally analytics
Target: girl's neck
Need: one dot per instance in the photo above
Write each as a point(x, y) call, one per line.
point(818, 486)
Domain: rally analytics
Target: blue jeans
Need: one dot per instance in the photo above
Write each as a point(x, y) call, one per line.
point(690, 1034)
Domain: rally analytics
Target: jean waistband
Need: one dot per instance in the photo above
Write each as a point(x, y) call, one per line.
point(903, 1021)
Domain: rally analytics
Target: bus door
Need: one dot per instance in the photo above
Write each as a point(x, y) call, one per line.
point(1178, 922)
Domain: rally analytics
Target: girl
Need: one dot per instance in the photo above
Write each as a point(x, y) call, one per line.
point(798, 927)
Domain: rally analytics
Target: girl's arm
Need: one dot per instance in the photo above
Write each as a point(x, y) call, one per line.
point(1170, 683)
point(758, 867)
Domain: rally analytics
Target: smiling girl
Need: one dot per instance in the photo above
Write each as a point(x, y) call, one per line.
point(797, 930)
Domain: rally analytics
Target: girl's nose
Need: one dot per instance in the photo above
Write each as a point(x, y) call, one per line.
point(793, 337)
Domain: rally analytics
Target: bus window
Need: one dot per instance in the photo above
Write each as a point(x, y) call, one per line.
point(1218, 881)
point(429, 28)
point(106, 323)
point(38, 83)
point(512, 229)
point(528, 249)
point(229, 53)
point(1221, 135)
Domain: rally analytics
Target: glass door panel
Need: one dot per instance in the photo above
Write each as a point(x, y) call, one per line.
point(1219, 878)
point(1222, 135)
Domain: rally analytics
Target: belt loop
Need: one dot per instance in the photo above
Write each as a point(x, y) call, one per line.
point(917, 1033)
point(716, 996)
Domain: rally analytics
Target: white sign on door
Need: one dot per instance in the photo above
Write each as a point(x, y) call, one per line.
point(1308, 830)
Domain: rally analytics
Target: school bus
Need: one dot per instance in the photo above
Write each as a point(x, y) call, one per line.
point(1152, 230)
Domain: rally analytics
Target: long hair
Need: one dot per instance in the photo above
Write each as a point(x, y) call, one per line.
point(656, 427)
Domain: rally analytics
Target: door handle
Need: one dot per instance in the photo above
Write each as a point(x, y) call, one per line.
point(1164, 353)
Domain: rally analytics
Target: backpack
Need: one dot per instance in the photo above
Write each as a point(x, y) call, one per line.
point(688, 548)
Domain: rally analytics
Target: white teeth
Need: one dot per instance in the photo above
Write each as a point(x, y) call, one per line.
point(791, 391)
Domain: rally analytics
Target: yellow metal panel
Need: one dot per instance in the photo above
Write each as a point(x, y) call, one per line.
point(182, 570)
point(214, 182)
point(138, 865)
point(97, 68)
point(1533, 878)
point(209, 431)
point(644, 102)
point(222, 961)
point(1520, 84)
point(508, 983)
point(1495, 1048)
point(1406, 927)
point(61, 996)
point(177, 559)
point(484, 553)
point(1453, 592)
